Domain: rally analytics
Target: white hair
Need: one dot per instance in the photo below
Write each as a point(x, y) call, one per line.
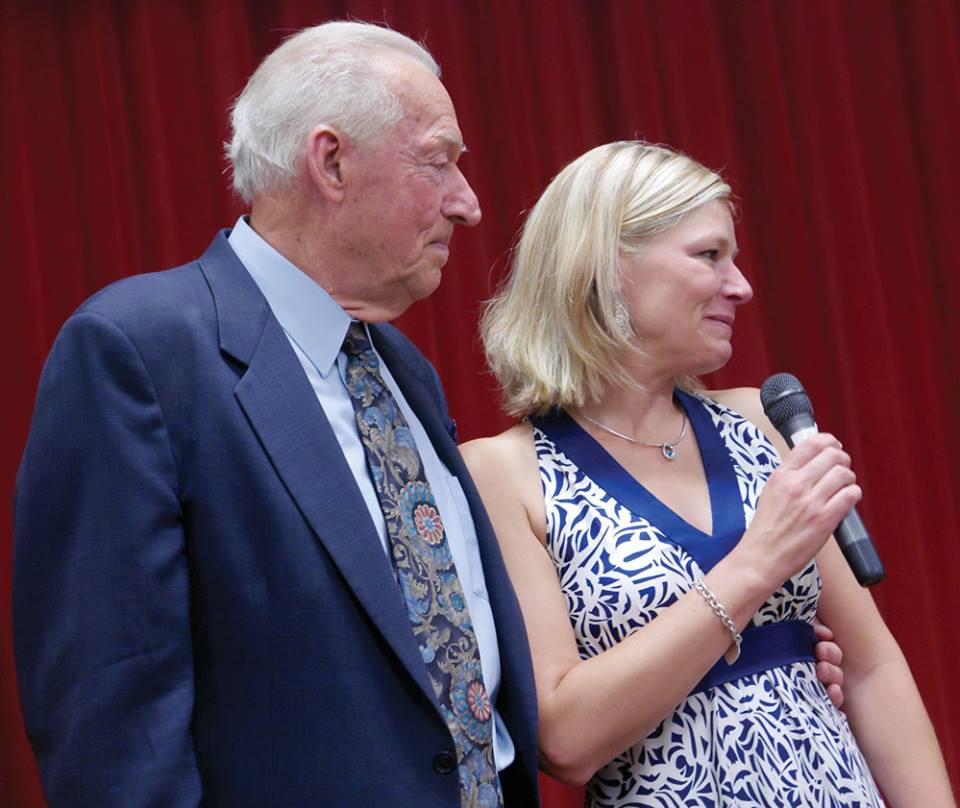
point(324, 74)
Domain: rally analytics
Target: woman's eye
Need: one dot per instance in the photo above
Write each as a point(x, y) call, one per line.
point(710, 255)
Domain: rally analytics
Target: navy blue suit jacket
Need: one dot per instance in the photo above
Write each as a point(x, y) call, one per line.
point(203, 613)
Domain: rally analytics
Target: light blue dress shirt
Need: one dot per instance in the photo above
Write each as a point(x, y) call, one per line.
point(316, 325)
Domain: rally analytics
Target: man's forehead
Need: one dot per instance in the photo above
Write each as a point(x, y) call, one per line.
point(429, 115)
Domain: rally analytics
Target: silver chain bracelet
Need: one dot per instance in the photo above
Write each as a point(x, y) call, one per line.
point(720, 612)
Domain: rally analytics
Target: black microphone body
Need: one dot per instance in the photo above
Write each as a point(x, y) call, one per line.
point(789, 409)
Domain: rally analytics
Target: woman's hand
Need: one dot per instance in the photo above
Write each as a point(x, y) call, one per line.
point(801, 505)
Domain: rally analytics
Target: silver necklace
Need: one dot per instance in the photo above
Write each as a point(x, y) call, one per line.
point(666, 448)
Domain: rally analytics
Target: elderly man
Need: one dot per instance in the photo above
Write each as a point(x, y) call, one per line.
point(251, 569)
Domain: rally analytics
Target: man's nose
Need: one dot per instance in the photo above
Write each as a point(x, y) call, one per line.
point(460, 204)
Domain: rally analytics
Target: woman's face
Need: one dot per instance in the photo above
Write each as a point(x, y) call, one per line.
point(682, 289)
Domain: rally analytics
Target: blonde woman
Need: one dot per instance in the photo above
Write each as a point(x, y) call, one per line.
point(668, 552)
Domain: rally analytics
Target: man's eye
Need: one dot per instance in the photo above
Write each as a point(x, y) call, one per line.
point(710, 255)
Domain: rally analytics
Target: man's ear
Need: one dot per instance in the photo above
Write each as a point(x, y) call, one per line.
point(324, 158)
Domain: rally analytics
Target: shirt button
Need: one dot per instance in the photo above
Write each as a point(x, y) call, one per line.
point(444, 763)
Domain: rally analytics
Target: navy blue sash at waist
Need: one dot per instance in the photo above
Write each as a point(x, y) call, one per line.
point(763, 648)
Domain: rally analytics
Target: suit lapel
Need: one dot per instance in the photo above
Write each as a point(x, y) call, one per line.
point(290, 423)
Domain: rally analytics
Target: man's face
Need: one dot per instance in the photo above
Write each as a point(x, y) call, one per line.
point(405, 195)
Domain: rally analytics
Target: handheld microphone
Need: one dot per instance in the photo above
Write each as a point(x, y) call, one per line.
point(788, 407)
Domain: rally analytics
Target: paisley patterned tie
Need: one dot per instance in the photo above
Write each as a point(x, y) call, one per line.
point(431, 590)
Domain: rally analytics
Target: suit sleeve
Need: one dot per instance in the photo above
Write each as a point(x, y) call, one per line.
point(101, 592)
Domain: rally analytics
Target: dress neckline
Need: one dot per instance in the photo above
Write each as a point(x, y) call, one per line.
point(726, 506)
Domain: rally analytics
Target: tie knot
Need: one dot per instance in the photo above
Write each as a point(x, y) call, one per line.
point(356, 342)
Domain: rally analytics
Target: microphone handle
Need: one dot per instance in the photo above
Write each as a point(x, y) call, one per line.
point(858, 549)
point(851, 534)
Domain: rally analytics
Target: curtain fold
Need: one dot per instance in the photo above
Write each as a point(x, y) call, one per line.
point(836, 122)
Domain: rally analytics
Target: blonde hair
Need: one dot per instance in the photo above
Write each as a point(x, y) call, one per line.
point(551, 334)
point(324, 74)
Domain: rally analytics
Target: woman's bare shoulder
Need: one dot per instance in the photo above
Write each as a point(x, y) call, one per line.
point(746, 402)
point(511, 446)
point(507, 474)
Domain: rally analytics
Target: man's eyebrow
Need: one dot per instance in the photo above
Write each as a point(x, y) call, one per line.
point(450, 140)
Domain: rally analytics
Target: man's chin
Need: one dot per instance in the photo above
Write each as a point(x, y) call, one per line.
point(425, 283)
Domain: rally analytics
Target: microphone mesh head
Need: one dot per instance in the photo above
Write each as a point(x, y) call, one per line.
point(783, 398)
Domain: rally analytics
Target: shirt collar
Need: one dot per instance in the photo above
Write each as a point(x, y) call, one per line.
point(308, 315)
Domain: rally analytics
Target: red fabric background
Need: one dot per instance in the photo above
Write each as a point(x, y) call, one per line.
point(837, 122)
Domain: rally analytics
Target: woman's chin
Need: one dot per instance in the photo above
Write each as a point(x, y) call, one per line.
point(709, 364)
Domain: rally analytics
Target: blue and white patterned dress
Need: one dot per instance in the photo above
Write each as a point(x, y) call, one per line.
point(769, 738)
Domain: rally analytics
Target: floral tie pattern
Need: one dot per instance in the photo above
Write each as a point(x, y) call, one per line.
point(428, 580)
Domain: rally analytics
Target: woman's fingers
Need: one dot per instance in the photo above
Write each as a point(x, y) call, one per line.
point(825, 459)
point(821, 478)
point(804, 452)
point(840, 503)
point(837, 489)
point(803, 502)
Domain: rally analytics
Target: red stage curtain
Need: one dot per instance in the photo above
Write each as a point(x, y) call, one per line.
point(837, 122)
